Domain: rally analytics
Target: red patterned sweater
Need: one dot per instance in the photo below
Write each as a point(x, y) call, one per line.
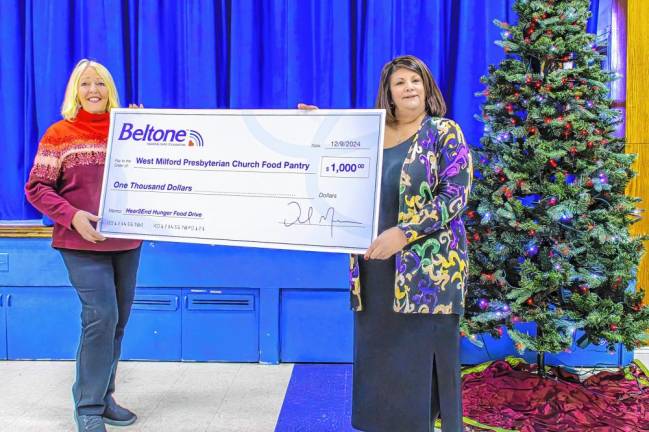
point(67, 176)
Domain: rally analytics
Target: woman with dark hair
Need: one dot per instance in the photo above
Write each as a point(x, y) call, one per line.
point(65, 184)
point(406, 364)
point(408, 291)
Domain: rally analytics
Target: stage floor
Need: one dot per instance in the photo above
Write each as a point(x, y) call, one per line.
point(190, 397)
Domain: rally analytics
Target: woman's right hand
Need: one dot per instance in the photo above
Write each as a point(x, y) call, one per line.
point(305, 107)
point(81, 223)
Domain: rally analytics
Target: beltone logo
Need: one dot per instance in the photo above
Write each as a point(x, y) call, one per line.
point(151, 135)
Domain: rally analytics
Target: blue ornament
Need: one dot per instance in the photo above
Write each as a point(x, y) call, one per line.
point(570, 179)
point(532, 249)
point(530, 201)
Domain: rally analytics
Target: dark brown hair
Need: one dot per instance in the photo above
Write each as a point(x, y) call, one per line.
point(435, 105)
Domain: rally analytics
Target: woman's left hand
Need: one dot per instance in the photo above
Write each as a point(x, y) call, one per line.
point(386, 244)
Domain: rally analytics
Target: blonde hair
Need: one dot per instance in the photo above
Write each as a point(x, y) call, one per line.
point(71, 103)
point(435, 105)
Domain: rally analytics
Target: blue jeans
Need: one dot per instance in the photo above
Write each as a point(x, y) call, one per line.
point(105, 283)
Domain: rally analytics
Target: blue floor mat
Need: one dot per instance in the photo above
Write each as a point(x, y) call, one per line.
point(318, 399)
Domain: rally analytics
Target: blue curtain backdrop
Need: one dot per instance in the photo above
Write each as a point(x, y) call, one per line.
point(231, 54)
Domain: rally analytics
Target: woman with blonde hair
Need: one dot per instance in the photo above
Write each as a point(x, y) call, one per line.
point(65, 185)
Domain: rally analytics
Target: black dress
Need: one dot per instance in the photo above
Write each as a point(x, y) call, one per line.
point(395, 387)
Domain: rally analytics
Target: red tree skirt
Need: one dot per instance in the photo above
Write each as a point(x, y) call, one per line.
point(508, 395)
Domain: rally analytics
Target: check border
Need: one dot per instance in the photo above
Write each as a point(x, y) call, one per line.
point(303, 246)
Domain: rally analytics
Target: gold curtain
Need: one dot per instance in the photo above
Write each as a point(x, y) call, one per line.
point(637, 117)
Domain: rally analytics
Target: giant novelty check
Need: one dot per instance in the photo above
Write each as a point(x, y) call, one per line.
point(284, 179)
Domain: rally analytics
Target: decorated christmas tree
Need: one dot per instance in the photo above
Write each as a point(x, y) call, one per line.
point(549, 220)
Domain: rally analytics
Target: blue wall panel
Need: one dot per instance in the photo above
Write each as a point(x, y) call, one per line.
point(42, 322)
point(220, 325)
point(212, 303)
point(154, 328)
point(3, 326)
point(316, 326)
point(31, 262)
point(490, 348)
point(188, 266)
point(592, 355)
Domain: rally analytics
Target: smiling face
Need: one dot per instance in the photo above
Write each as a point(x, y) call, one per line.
point(92, 92)
point(408, 92)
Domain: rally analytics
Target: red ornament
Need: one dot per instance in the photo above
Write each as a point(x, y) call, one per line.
point(510, 108)
point(476, 236)
point(552, 201)
point(589, 183)
point(513, 120)
point(528, 79)
point(533, 130)
point(500, 331)
point(589, 144)
point(553, 163)
point(530, 301)
point(573, 150)
point(502, 179)
point(471, 214)
point(532, 232)
point(604, 141)
point(508, 193)
point(517, 94)
point(486, 92)
point(547, 120)
point(613, 327)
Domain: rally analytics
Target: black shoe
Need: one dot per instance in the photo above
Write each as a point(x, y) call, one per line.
point(116, 415)
point(90, 423)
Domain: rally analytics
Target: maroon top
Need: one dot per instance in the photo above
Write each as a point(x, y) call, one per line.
point(67, 176)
